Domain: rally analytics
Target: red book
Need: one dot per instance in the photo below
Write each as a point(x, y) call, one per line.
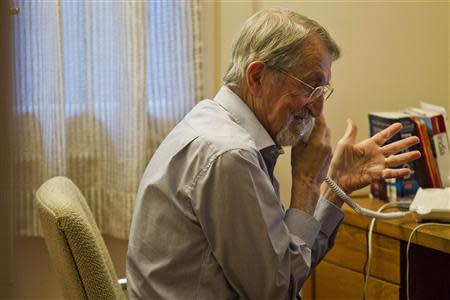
point(439, 138)
point(427, 154)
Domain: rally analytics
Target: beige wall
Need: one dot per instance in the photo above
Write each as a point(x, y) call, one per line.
point(393, 56)
point(5, 114)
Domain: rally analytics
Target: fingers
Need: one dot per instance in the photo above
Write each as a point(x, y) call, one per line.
point(396, 160)
point(320, 130)
point(381, 137)
point(320, 122)
point(320, 119)
point(400, 145)
point(350, 133)
point(395, 173)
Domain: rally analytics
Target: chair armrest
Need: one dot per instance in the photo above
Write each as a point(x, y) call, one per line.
point(123, 283)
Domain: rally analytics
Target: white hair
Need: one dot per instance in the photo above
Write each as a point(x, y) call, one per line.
point(274, 37)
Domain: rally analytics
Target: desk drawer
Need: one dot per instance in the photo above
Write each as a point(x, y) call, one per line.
point(334, 282)
point(350, 252)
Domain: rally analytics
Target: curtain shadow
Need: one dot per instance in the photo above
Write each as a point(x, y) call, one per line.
point(28, 170)
point(89, 150)
point(90, 162)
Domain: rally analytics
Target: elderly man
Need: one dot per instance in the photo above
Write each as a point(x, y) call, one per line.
point(208, 221)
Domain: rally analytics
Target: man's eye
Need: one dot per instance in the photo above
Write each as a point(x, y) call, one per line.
point(314, 83)
point(300, 93)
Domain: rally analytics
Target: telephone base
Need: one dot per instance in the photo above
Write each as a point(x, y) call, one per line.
point(431, 205)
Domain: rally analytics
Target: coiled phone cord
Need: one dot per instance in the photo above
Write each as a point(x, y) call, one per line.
point(361, 210)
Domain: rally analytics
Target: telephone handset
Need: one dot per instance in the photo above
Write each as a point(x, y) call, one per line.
point(343, 196)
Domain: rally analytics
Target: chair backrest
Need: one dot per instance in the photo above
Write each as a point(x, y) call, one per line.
point(74, 242)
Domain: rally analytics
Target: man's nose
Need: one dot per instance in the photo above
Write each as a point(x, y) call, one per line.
point(316, 107)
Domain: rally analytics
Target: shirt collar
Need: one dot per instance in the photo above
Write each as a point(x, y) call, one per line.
point(245, 117)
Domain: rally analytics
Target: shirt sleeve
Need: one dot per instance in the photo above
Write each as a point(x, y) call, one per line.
point(264, 252)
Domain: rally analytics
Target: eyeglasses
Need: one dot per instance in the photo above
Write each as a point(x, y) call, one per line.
point(324, 91)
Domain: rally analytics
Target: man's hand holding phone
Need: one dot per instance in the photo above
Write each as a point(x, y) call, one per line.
point(310, 161)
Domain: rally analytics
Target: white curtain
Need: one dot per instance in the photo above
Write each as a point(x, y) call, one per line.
point(99, 84)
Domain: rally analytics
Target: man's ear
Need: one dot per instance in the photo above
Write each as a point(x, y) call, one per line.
point(254, 77)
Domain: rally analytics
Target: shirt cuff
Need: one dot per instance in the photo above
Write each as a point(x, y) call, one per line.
point(329, 215)
point(303, 225)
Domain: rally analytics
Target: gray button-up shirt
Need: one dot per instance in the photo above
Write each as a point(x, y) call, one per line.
point(208, 222)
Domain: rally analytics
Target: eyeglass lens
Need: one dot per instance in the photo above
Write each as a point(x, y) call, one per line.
point(316, 93)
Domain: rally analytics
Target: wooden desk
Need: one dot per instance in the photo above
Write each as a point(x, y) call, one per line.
point(340, 274)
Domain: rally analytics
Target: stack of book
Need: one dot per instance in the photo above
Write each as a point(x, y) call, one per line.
point(433, 168)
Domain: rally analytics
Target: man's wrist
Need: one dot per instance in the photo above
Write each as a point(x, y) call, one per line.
point(305, 194)
point(339, 180)
point(327, 193)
